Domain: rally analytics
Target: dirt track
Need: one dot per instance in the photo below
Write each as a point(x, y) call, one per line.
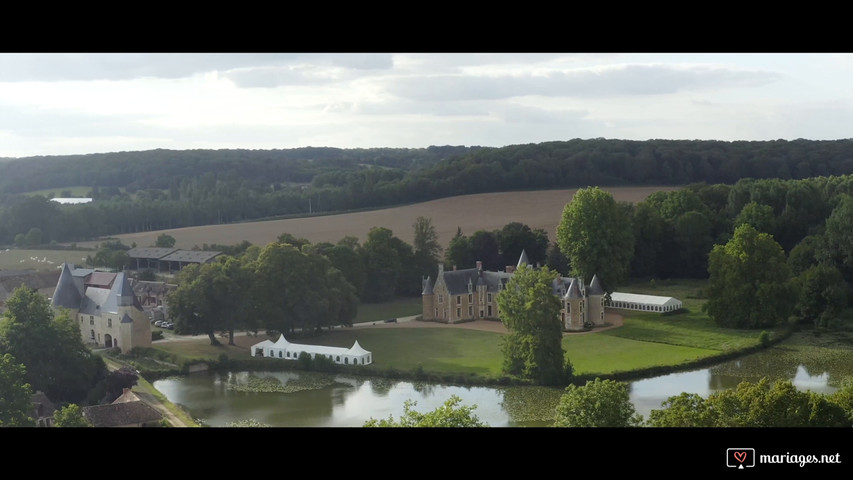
point(488, 211)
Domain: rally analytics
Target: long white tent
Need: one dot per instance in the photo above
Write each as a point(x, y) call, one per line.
point(285, 350)
point(643, 303)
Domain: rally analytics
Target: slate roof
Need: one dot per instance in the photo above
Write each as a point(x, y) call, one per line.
point(427, 287)
point(574, 290)
point(42, 406)
point(101, 279)
point(121, 414)
point(457, 281)
point(190, 256)
point(151, 253)
point(66, 293)
point(595, 287)
point(522, 260)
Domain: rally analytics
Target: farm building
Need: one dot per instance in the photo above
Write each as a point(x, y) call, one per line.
point(470, 294)
point(643, 303)
point(285, 350)
point(103, 306)
point(167, 260)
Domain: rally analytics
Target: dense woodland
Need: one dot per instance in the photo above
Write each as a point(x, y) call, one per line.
point(159, 189)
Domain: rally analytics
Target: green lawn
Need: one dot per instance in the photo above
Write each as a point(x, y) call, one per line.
point(646, 340)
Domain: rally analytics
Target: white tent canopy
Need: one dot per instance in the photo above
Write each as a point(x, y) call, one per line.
point(643, 303)
point(355, 355)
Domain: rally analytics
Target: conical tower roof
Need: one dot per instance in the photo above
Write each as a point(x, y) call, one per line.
point(522, 260)
point(66, 293)
point(573, 291)
point(595, 287)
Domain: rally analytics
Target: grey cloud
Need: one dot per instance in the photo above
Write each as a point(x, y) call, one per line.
point(606, 82)
point(15, 67)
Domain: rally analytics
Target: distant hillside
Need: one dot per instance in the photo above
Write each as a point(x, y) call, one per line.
point(163, 189)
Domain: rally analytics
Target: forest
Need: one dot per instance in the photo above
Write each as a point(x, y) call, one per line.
point(160, 189)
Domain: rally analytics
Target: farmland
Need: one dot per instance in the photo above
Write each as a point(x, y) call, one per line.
point(487, 211)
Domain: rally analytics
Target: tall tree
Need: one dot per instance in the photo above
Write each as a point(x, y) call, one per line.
point(50, 347)
point(595, 233)
point(599, 403)
point(15, 394)
point(749, 285)
point(426, 238)
point(382, 264)
point(532, 348)
point(165, 240)
point(823, 295)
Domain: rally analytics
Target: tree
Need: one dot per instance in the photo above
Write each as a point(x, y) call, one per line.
point(449, 415)
point(165, 241)
point(57, 362)
point(117, 380)
point(749, 285)
point(297, 290)
point(516, 237)
point(532, 348)
point(70, 416)
point(599, 403)
point(596, 235)
point(426, 238)
point(753, 405)
point(382, 265)
point(213, 296)
point(15, 394)
point(458, 252)
point(838, 245)
point(823, 295)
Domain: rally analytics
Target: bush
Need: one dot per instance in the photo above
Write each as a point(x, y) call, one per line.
point(305, 361)
point(764, 338)
point(156, 335)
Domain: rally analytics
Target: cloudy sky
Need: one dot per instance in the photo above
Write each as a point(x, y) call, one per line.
point(57, 104)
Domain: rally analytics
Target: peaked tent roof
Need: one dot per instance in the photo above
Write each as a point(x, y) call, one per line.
point(357, 350)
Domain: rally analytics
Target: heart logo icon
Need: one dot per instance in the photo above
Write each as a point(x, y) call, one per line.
point(740, 456)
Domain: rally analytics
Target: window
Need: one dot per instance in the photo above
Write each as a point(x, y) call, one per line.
point(440, 298)
point(91, 319)
point(489, 309)
point(458, 299)
point(470, 311)
point(470, 298)
point(338, 359)
point(563, 317)
point(109, 323)
point(489, 297)
point(93, 334)
point(458, 313)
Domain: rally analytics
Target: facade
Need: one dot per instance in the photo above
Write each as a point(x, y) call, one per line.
point(471, 294)
point(290, 351)
point(104, 307)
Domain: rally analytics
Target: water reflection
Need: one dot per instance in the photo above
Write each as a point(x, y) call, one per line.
point(317, 400)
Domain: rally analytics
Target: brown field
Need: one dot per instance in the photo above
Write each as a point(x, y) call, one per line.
point(487, 211)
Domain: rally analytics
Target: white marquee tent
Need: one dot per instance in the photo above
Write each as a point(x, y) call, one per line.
point(285, 350)
point(643, 303)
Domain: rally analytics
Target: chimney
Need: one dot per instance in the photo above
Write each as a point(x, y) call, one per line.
point(479, 265)
point(510, 269)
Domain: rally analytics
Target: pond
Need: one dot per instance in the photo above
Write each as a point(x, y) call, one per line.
point(310, 399)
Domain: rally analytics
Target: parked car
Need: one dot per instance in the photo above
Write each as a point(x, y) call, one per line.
point(168, 325)
point(391, 320)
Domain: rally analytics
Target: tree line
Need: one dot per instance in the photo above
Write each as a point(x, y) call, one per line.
point(144, 191)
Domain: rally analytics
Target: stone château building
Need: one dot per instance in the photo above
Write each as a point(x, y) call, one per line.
point(103, 306)
point(471, 294)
